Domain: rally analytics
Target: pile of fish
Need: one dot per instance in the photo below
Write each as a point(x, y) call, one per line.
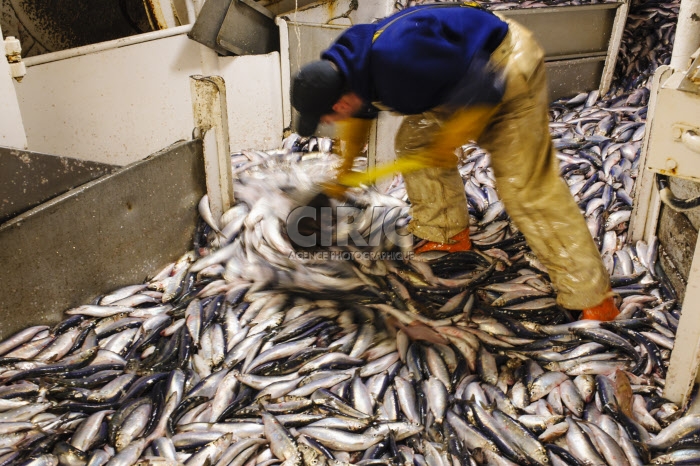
point(647, 43)
point(225, 357)
point(598, 143)
point(255, 349)
point(264, 226)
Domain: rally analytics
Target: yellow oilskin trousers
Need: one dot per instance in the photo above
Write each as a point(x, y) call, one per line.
point(526, 170)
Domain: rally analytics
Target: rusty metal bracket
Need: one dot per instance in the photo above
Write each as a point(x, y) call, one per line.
point(13, 52)
point(691, 81)
point(211, 125)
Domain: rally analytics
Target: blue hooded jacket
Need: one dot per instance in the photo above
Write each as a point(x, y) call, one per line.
point(423, 57)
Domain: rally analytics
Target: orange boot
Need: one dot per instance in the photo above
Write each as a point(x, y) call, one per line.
point(460, 242)
point(604, 312)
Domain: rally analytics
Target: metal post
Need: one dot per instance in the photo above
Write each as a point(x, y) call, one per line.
point(613, 47)
point(12, 132)
point(381, 143)
point(285, 72)
point(645, 214)
point(210, 59)
point(687, 34)
point(211, 125)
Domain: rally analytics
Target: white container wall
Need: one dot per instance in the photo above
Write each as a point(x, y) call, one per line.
point(11, 129)
point(254, 98)
point(119, 105)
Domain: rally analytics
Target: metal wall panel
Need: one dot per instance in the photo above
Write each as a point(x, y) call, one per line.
point(567, 78)
point(115, 106)
point(678, 238)
point(247, 30)
point(306, 41)
point(28, 178)
point(119, 105)
point(111, 232)
point(568, 30)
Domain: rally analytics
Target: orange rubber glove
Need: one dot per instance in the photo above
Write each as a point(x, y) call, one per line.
point(604, 312)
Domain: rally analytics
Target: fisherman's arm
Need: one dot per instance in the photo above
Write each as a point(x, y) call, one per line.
point(353, 134)
point(472, 103)
point(464, 125)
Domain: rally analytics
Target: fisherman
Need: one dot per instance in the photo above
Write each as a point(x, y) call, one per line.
point(459, 73)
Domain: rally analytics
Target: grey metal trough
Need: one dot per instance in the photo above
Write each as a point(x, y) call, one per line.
point(105, 234)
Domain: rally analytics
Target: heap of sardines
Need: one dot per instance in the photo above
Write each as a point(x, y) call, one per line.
point(240, 353)
point(244, 352)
